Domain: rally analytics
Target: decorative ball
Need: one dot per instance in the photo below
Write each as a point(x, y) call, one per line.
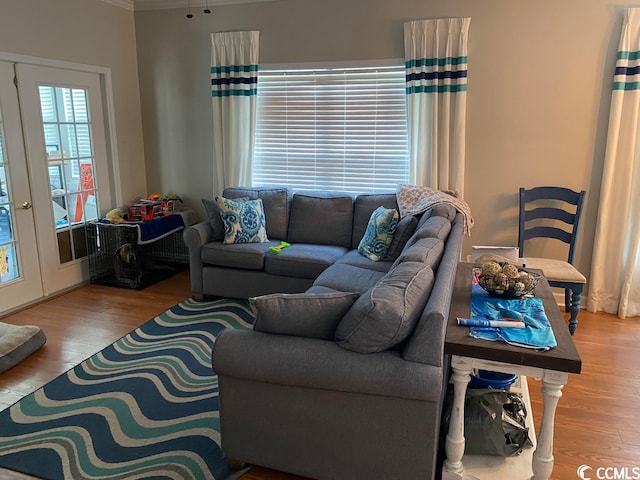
point(510, 271)
point(491, 268)
point(509, 286)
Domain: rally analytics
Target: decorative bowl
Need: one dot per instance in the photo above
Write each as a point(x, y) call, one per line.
point(509, 287)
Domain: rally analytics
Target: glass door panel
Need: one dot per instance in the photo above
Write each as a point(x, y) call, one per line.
point(66, 124)
point(69, 166)
point(20, 281)
point(9, 269)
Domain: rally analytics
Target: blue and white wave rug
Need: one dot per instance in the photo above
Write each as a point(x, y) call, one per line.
point(144, 407)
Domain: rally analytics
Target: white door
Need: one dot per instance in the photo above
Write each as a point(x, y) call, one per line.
point(19, 268)
point(54, 177)
point(64, 135)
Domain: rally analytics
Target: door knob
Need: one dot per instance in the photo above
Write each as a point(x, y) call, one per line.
point(26, 206)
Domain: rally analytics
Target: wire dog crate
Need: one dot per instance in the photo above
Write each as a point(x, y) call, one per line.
point(116, 258)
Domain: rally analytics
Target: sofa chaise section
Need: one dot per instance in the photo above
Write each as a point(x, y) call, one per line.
point(310, 407)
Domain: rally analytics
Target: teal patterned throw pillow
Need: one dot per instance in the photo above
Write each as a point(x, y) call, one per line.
point(379, 234)
point(243, 221)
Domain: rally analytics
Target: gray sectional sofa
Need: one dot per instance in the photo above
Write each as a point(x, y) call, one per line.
point(344, 373)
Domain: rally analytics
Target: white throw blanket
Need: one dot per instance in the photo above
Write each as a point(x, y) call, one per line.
point(414, 199)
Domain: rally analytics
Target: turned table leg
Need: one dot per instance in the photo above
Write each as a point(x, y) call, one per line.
point(454, 445)
point(552, 383)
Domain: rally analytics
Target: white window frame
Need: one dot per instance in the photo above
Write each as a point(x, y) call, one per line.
point(296, 147)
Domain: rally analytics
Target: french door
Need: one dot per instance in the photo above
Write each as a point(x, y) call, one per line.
point(66, 184)
point(20, 281)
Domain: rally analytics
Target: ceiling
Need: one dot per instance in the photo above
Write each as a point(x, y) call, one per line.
point(162, 4)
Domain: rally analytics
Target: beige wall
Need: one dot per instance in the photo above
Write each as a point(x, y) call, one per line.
point(538, 98)
point(89, 32)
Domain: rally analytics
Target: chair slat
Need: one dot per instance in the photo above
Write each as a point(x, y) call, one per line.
point(552, 193)
point(547, 232)
point(550, 213)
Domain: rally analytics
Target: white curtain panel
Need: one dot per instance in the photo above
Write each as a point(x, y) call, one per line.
point(234, 80)
point(614, 284)
point(436, 63)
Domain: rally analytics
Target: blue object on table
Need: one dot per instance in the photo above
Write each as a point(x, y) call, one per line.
point(537, 334)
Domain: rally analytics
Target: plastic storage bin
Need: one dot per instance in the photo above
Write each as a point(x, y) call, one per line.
point(497, 380)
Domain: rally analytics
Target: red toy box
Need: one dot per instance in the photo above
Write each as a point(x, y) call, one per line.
point(145, 211)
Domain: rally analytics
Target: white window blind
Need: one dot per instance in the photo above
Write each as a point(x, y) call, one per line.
point(332, 129)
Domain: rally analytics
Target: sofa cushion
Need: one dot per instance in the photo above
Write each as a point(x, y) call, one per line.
point(379, 234)
point(445, 210)
point(348, 278)
point(426, 250)
point(301, 314)
point(238, 255)
point(357, 260)
point(321, 289)
point(321, 218)
point(276, 201)
point(434, 227)
point(244, 221)
point(404, 230)
point(363, 207)
point(303, 260)
point(213, 214)
point(385, 315)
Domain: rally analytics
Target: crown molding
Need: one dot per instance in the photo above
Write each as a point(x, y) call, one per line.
point(128, 4)
point(166, 4)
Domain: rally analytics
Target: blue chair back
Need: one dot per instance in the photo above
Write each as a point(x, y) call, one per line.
point(552, 204)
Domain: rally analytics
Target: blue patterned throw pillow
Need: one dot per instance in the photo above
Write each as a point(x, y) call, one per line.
point(243, 221)
point(379, 234)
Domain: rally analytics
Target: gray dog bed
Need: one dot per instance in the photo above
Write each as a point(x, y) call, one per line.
point(17, 343)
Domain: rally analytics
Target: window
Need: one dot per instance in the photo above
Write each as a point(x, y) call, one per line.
point(332, 129)
point(70, 160)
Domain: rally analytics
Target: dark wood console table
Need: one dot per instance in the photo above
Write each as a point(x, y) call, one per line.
point(467, 353)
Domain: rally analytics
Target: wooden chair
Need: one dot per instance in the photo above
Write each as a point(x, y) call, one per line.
point(554, 212)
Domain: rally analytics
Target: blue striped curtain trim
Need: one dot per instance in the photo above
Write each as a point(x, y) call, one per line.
point(436, 75)
point(625, 55)
point(436, 89)
point(626, 85)
point(627, 71)
point(234, 81)
point(234, 93)
point(432, 62)
point(412, 77)
point(234, 69)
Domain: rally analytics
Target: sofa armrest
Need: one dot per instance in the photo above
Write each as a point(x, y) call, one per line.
point(195, 236)
point(198, 234)
point(321, 364)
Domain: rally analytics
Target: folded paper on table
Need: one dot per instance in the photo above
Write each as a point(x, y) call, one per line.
point(508, 253)
point(537, 334)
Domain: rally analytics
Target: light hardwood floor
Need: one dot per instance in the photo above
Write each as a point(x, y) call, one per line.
point(597, 420)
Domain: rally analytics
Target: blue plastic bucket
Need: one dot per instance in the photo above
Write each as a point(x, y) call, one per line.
point(497, 380)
